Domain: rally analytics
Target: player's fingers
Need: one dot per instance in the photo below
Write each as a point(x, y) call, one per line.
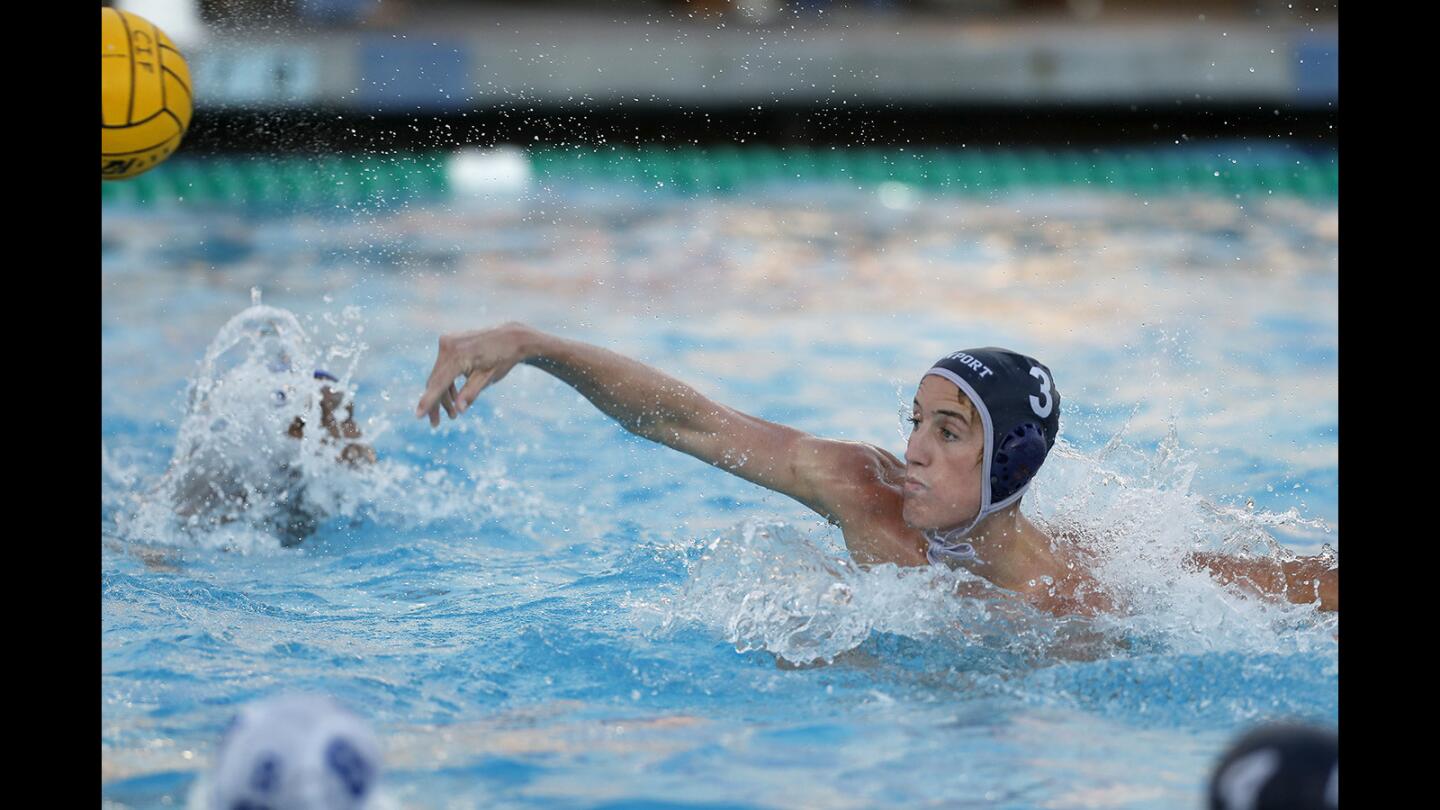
point(440, 379)
point(447, 401)
point(474, 384)
point(442, 375)
point(434, 416)
point(428, 400)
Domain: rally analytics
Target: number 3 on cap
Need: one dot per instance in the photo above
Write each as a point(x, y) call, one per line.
point(1040, 410)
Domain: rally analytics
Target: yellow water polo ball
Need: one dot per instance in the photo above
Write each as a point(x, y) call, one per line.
point(145, 100)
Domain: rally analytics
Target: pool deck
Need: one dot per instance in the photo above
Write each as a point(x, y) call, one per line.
point(443, 63)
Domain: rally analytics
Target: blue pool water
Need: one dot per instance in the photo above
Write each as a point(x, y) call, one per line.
point(535, 609)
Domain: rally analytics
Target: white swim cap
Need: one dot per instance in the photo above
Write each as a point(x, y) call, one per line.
point(295, 752)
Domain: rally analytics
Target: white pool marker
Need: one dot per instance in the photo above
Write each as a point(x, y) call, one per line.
point(475, 172)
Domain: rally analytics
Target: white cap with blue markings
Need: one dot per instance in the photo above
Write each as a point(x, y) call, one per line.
point(294, 752)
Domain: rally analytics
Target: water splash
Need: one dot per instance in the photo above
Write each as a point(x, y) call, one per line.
point(249, 473)
point(766, 585)
point(1139, 518)
point(770, 586)
point(247, 469)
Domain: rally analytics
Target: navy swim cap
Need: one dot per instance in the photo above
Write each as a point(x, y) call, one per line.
point(1020, 409)
point(1283, 766)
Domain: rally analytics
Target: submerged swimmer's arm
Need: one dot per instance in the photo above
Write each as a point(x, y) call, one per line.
point(1304, 581)
point(650, 404)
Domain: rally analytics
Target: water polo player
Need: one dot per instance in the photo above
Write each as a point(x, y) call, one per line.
point(208, 488)
point(244, 441)
point(984, 419)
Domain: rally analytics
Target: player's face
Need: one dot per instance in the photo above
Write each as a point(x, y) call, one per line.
point(942, 458)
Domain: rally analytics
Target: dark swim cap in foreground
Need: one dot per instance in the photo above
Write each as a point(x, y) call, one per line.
point(1286, 766)
point(1020, 408)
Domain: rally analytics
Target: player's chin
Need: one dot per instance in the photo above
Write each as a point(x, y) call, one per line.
point(914, 514)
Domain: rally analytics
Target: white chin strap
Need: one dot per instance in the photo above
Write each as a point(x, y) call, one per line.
point(948, 545)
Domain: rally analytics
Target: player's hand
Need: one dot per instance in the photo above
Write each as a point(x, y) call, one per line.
point(483, 357)
point(355, 454)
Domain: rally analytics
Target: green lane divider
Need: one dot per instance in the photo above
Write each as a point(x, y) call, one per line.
point(960, 171)
point(369, 181)
point(381, 181)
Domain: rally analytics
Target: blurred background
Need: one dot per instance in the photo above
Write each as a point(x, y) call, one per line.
point(323, 74)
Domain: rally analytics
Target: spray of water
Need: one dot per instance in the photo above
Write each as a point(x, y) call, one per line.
point(1140, 519)
point(250, 464)
point(254, 467)
point(770, 586)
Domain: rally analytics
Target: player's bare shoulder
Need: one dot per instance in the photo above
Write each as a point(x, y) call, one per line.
point(859, 488)
point(1073, 588)
point(846, 477)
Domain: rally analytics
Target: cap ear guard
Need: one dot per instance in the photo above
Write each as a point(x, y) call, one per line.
point(1016, 460)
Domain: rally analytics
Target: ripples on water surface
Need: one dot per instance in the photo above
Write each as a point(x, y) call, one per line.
point(536, 609)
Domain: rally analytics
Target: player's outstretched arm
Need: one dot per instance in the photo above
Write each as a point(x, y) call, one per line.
point(651, 404)
point(1305, 580)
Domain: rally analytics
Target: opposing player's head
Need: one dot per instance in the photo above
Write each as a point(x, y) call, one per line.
point(984, 421)
point(1282, 766)
point(295, 751)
